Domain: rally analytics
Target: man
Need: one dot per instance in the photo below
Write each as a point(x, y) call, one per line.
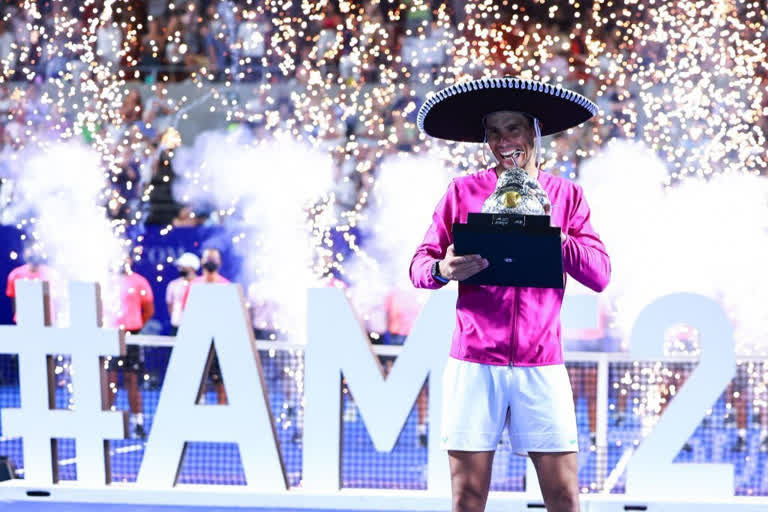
point(506, 357)
point(211, 263)
point(188, 265)
point(128, 305)
point(36, 270)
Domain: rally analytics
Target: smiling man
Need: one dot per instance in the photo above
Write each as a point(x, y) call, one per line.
point(506, 356)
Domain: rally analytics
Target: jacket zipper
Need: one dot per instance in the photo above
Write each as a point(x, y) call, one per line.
point(514, 327)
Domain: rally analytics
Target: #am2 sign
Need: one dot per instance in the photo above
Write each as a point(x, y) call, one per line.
point(336, 346)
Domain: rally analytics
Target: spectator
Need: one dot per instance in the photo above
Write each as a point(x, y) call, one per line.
point(124, 198)
point(158, 109)
point(34, 270)
point(131, 113)
point(8, 50)
point(326, 46)
point(211, 263)
point(152, 51)
point(191, 47)
point(163, 208)
point(129, 305)
point(218, 36)
point(188, 265)
point(156, 9)
point(109, 42)
point(252, 38)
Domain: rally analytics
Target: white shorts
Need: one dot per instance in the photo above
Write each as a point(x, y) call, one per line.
point(479, 398)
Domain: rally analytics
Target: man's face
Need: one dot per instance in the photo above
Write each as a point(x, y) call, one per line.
point(211, 255)
point(507, 132)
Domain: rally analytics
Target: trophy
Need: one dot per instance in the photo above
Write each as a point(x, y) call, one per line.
point(517, 193)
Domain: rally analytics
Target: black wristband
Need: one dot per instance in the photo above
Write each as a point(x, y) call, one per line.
point(436, 273)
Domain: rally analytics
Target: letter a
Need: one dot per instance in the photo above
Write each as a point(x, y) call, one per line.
point(215, 312)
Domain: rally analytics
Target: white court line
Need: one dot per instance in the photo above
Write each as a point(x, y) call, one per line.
point(124, 449)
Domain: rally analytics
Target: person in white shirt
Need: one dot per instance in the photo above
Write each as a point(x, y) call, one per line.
point(109, 41)
point(188, 265)
point(252, 38)
point(7, 49)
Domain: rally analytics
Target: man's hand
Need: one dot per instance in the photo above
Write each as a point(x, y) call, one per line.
point(461, 267)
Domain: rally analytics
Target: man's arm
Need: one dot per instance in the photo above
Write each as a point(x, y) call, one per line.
point(169, 298)
point(584, 255)
point(147, 311)
point(147, 303)
point(10, 291)
point(436, 241)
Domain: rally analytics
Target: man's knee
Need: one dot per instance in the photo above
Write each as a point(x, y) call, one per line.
point(563, 498)
point(468, 498)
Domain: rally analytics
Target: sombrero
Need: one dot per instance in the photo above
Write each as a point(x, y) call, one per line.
point(457, 112)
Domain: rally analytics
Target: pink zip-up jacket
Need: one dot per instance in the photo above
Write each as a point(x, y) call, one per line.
point(503, 325)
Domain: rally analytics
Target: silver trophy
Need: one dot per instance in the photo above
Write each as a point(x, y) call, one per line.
point(518, 193)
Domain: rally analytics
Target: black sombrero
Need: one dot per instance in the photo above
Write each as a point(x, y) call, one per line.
point(457, 112)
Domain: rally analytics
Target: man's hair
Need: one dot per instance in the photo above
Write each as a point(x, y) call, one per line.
point(528, 117)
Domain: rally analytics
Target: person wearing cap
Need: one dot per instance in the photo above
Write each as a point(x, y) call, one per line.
point(128, 304)
point(188, 265)
point(211, 263)
point(506, 358)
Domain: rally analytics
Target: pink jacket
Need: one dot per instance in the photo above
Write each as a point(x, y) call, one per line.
point(511, 325)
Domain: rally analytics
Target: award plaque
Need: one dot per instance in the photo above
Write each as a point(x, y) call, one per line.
point(519, 253)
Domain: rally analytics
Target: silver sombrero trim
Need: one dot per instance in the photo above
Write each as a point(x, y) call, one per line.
point(503, 83)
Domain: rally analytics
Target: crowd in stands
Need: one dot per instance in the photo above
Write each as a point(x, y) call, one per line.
point(243, 41)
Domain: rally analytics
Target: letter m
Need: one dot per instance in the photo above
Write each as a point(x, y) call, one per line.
point(336, 347)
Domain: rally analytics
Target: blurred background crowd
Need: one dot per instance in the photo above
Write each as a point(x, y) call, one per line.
point(402, 49)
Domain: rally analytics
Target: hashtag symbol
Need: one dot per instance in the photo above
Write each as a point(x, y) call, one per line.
point(34, 340)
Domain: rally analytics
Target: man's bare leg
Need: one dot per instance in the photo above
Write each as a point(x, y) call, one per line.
point(134, 395)
point(558, 479)
point(470, 479)
point(112, 378)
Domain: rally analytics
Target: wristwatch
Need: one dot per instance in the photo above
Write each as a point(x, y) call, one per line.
point(436, 273)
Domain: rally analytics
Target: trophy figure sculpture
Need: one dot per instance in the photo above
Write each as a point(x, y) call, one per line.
point(517, 193)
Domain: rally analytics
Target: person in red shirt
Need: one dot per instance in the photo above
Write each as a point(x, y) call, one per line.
point(34, 270)
point(211, 263)
point(128, 305)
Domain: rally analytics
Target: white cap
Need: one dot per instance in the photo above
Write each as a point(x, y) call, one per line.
point(188, 260)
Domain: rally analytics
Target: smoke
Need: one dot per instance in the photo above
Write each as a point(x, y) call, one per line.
point(408, 187)
point(58, 193)
point(277, 187)
point(405, 195)
point(701, 236)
